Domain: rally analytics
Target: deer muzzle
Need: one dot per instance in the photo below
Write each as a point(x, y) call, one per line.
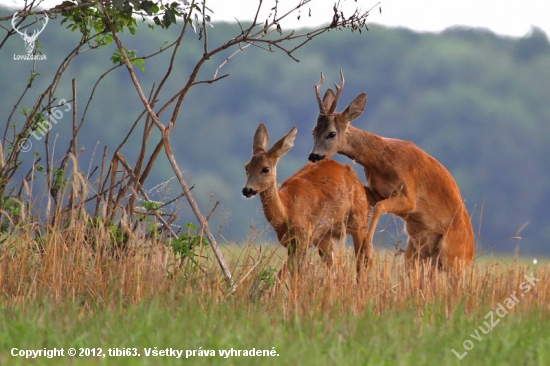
point(249, 192)
point(315, 157)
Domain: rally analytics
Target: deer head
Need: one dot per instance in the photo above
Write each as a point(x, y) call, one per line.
point(329, 133)
point(261, 169)
point(30, 40)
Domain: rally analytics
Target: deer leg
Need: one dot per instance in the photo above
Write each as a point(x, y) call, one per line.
point(457, 244)
point(281, 278)
point(414, 263)
point(425, 248)
point(363, 254)
point(395, 204)
point(412, 254)
point(297, 250)
point(326, 250)
point(362, 248)
point(422, 259)
point(371, 197)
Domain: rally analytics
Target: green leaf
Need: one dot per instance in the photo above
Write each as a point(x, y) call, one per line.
point(150, 205)
point(139, 63)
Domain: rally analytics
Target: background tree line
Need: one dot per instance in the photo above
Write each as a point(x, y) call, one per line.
point(476, 102)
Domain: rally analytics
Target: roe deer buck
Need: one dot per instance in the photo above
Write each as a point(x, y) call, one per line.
point(317, 204)
point(403, 180)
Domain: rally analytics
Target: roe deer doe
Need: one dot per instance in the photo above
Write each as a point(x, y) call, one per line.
point(403, 180)
point(317, 204)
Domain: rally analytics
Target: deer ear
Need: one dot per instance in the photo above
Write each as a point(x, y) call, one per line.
point(284, 144)
point(260, 140)
point(355, 108)
point(328, 99)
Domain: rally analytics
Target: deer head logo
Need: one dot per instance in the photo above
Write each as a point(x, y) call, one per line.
point(30, 40)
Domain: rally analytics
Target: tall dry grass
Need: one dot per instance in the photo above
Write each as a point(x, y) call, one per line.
point(389, 287)
point(70, 256)
point(77, 263)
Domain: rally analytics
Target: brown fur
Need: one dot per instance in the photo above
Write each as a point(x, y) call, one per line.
point(405, 181)
point(317, 204)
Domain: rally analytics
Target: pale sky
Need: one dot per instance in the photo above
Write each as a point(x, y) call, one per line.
point(502, 17)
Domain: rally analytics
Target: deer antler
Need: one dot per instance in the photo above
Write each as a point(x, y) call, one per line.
point(317, 87)
point(338, 91)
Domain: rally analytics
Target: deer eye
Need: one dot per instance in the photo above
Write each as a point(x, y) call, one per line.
point(331, 135)
point(265, 170)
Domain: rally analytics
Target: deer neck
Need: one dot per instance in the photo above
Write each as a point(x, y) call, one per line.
point(363, 147)
point(274, 208)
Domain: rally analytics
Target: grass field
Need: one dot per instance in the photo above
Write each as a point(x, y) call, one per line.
point(66, 292)
point(395, 337)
